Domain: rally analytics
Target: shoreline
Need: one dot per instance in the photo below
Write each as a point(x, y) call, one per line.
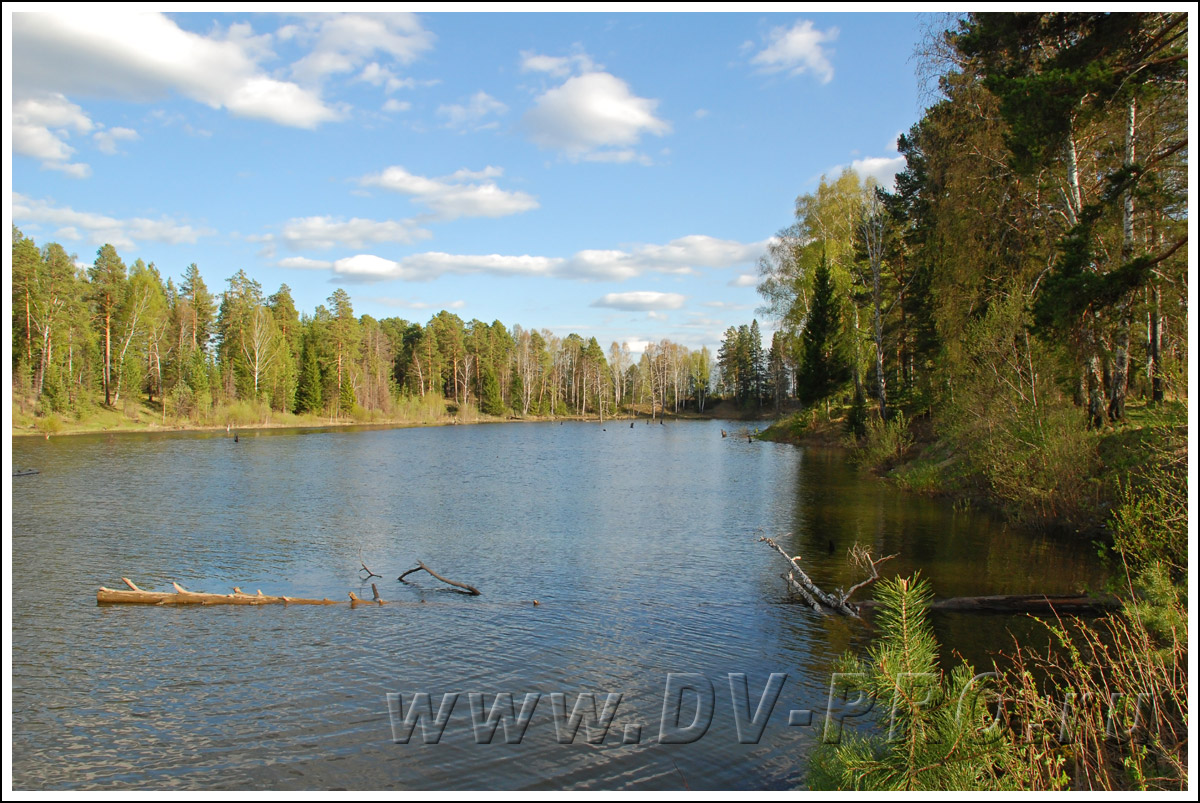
point(138, 428)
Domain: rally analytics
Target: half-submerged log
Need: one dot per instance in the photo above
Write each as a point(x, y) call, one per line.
point(1022, 603)
point(802, 586)
point(821, 601)
point(472, 590)
point(181, 596)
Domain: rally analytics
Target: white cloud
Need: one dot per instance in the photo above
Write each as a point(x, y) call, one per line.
point(797, 50)
point(146, 56)
point(592, 113)
point(106, 141)
point(365, 267)
point(102, 228)
point(393, 105)
point(684, 255)
point(725, 305)
point(41, 126)
point(321, 233)
point(431, 265)
point(640, 301)
point(461, 194)
point(376, 75)
point(342, 42)
point(558, 66)
point(744, 280)
point(472, 113)
point(304, 263)
point(881, 168)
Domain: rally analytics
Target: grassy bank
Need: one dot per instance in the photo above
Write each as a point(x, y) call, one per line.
point(143, 416)
point(1061, 476)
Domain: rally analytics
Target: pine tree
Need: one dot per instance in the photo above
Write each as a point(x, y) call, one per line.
point(107, 276)
point(308, 390)
point(824, 365)
point(490, 402)
point(937, 733)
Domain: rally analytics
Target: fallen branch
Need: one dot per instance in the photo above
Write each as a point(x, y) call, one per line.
point(803, 585)
point(472, 590)
point(370, 573)
point(800, 584)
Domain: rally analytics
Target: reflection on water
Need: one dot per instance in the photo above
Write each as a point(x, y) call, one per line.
point(639, 544)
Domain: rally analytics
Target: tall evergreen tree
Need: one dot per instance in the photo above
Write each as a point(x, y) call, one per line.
point(308, 389)
point(107, 290)
point(824, 365)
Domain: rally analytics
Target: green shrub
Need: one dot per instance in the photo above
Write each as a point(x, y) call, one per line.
point(886, 442)
point(1106, 707)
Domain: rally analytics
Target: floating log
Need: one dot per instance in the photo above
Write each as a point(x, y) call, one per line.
point(1022, 603)
point(472, 590)
point(181, 596)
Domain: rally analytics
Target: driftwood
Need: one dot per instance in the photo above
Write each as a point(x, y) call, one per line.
point(472, 590)
point(370, 573)
point(181, 596)
point(800, 584)
point(822, 602)
point(1021, 603)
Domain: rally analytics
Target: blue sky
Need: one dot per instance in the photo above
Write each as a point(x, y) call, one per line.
point(606, 173)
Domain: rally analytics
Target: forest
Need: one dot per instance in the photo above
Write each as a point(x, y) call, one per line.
point(121, 335)
point(1008, 324)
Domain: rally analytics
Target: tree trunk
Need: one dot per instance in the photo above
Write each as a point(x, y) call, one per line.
point(1120, 370)
point(1156, 381)
point(107, 359)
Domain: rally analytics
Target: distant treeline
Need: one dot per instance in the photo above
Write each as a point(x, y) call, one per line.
point(120, 333)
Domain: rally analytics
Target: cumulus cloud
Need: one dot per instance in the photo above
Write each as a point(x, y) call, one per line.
point(557, 66)
point(744, 280)
point(304, 263)
point(321, 233)
point(99, 229)
point(686, 254)
point(393, 105)
point(640, 301)
point(464, 193)
point(343, 42)
point(472, 113)
point(590, 114)
point(377, 75)
point(42, 125)
point(881, 168)
point(145, 56)
point(797, 50)
point(106, 141)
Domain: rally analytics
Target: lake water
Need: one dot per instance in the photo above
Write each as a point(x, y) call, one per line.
point(639, 544)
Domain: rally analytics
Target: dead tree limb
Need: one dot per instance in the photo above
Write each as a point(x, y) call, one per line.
point(472, 590)
point(862, 558)
point(802, 586)
point(800, 582)
point(370, 573)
